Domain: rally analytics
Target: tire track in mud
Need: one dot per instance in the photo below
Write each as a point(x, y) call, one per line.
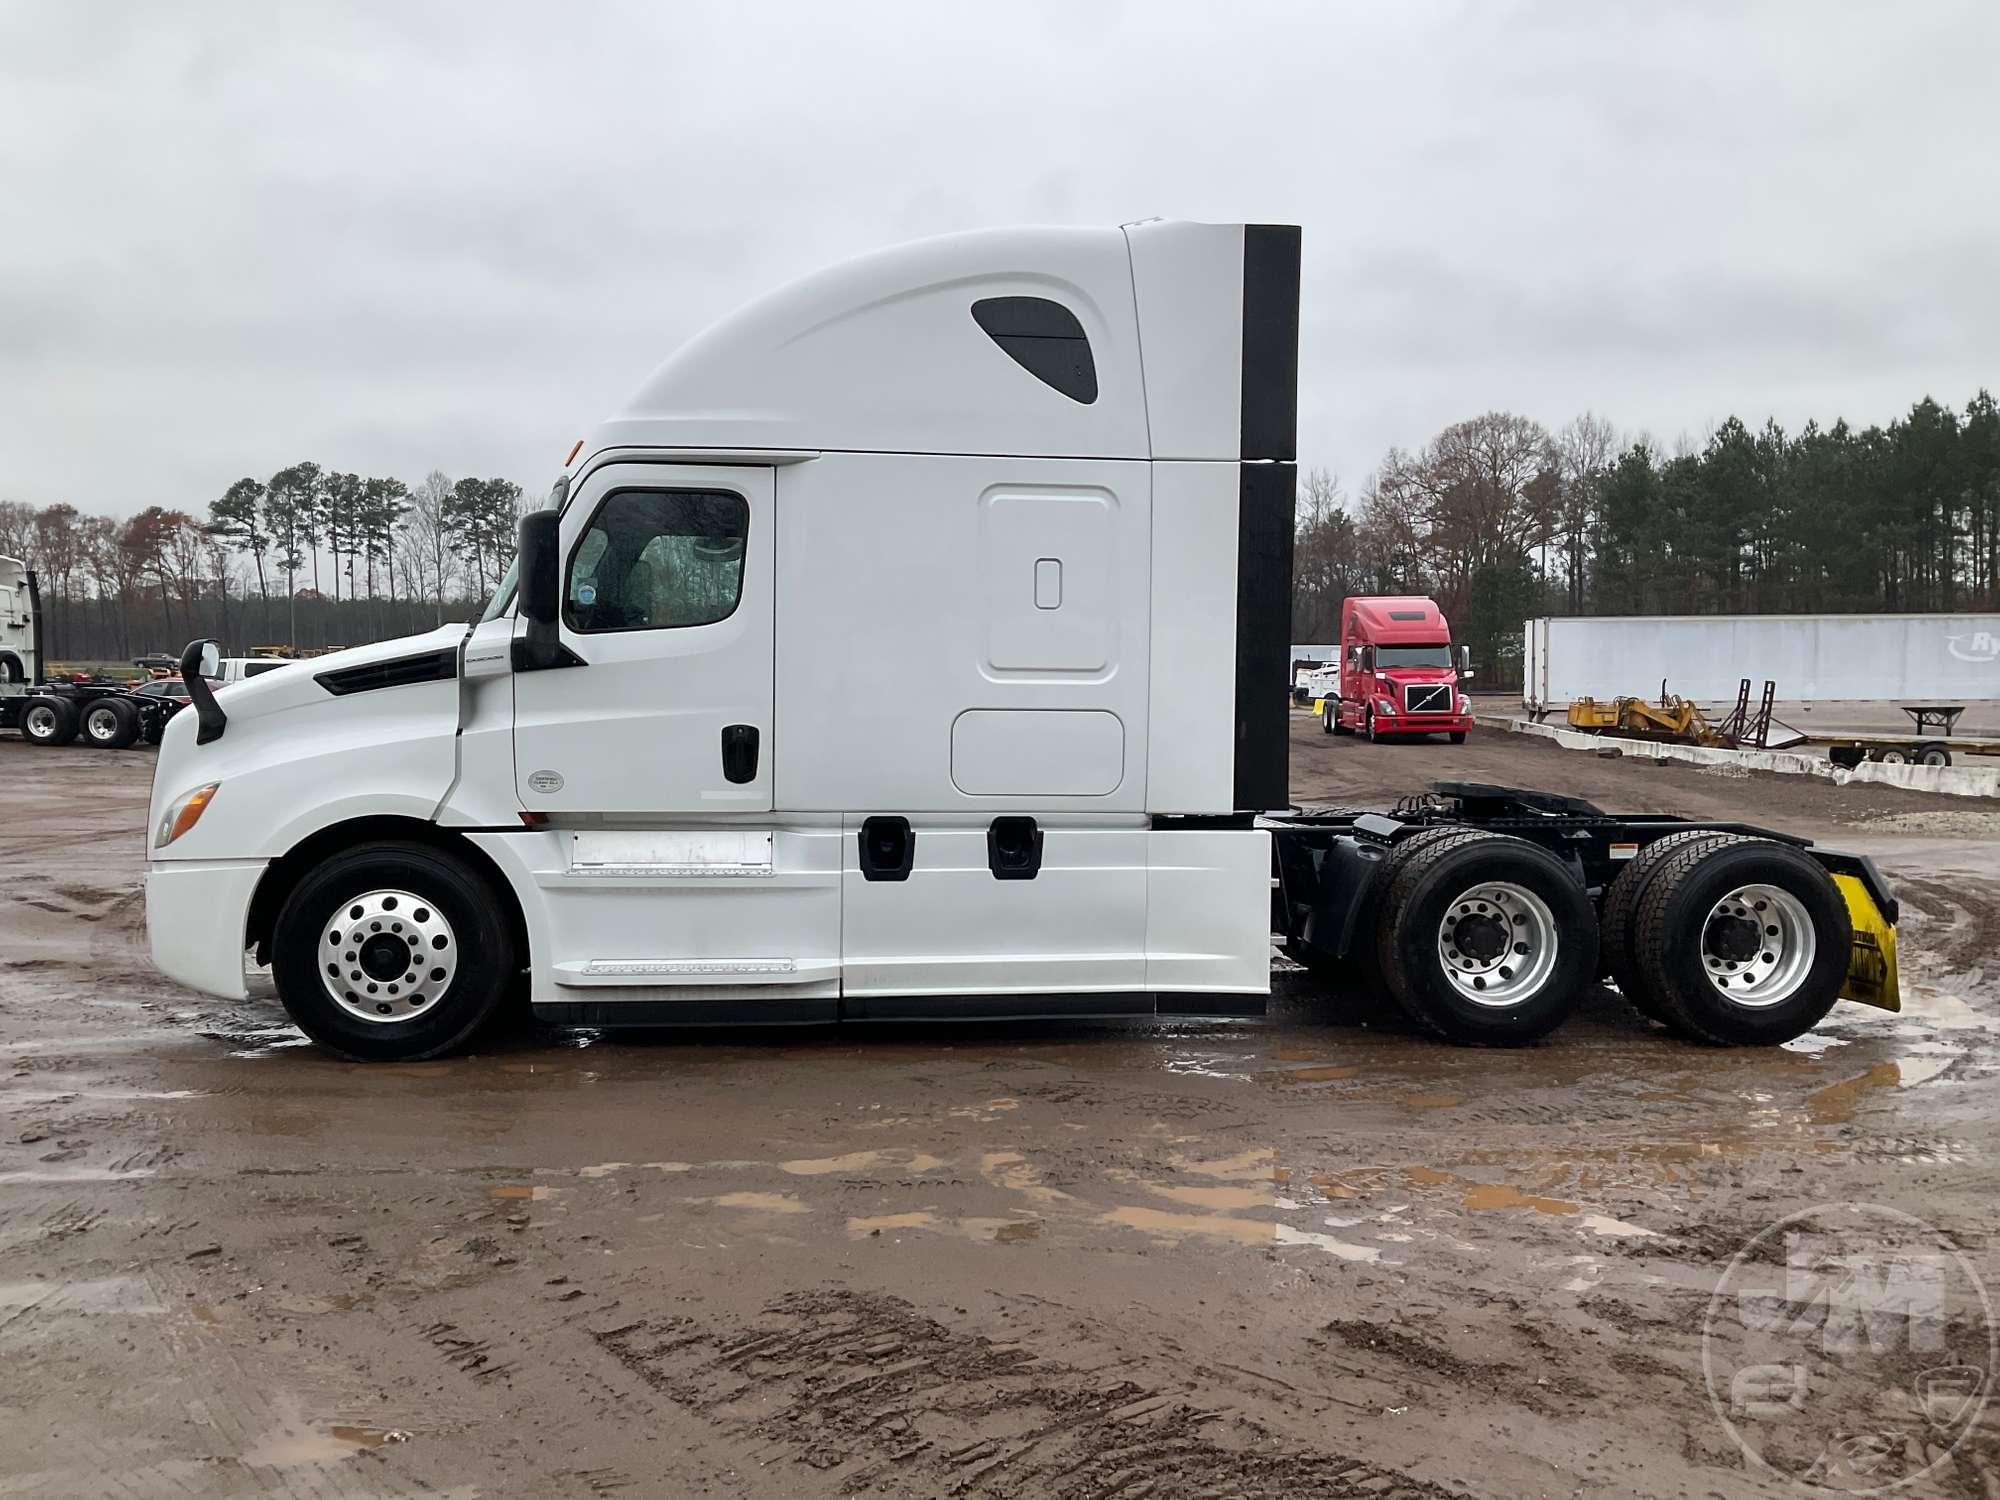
point(879, 1397)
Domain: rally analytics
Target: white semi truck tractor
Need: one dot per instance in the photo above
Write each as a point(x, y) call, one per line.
point(914, 645)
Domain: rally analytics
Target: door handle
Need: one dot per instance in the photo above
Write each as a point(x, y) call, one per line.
point(739, 752)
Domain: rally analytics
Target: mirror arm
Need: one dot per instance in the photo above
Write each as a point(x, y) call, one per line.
point(210, 720)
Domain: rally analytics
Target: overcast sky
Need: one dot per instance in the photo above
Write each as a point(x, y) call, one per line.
point(398, 236)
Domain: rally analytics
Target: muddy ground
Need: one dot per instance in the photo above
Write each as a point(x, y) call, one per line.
point(1311, 1256)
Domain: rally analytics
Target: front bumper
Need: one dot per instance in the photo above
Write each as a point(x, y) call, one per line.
point(198, 921)
point(1422, 723)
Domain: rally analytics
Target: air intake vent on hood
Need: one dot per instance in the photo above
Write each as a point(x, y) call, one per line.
point(399, 671)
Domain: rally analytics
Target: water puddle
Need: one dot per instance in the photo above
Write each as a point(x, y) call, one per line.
point(1366, 1254)
point(1207, 1226)
point(1221, 1198)
point(859, 1229)
point(1484, 1196)
point(606, 1168)
point(1252, 1165)
point(74, 1174)
point(302, 1448)
point(766, 1203)
point(821, 1166)
point(126, 1295)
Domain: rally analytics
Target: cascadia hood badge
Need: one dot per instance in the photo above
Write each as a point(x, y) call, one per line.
point(545, 781)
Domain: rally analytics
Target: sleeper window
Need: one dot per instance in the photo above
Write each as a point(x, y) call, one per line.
point(658, 559)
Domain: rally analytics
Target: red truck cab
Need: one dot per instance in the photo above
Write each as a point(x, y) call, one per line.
point(1399, 672)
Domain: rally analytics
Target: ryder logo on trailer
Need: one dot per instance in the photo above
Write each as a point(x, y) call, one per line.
point(1975, 646)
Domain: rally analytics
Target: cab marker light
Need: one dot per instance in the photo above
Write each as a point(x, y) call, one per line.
point(184, 814)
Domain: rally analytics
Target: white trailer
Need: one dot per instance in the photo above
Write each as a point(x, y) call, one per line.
point(1008, 515)
point(1952, 659)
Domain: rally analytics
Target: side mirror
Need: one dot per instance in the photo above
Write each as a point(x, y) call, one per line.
point(538, 568)
point(1466, 674)
point(201, 660)
point(538, 594)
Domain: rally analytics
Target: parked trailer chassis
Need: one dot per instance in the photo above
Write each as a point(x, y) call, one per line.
point(1486, 911)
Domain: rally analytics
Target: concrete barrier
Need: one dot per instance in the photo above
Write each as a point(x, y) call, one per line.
point(1949, 781)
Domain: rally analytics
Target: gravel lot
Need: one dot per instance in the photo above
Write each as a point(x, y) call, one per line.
point(1311, 1256)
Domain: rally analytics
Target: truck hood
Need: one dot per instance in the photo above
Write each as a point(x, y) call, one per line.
point(385, 741)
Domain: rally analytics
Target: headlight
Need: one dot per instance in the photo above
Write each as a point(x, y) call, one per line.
point(184, 814)
point(1385, 706)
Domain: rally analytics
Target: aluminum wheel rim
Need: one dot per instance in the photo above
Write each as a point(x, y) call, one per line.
point(100, 724)
point(387, 956)
point(41, 721)
point(1785, 949)
point(1521, 967)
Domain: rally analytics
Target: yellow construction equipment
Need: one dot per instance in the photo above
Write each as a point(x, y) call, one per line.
point(1674, 718)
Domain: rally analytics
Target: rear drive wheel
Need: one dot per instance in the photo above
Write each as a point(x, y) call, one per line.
point(1892, 756)
point(1333, 717)
point(1933, 755)
point(48, 721)
point(392, 952)
point(1487, 939)
point(1621, 905)
point(1326, 718)
point(1744, 944)
point(109, 724)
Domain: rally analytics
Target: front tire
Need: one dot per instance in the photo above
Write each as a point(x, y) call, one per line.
point(1458, 736)
point(392, 952)
point(1486, 939)
point(1745, 944)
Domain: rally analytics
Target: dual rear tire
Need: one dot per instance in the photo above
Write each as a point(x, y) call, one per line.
point(1481, 938)
point(1725, 939)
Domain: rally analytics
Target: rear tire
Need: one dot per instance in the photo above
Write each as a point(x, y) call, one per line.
point(109, 724)
point(1697, 941)
point(1485, 939)
point(1933, 755)
point(440, 929)
point(1326, 719)
point(1621, 905)
point(48, 721)
point(1892, 756)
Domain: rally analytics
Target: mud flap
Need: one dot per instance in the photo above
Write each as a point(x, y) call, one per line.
point(1871, 963)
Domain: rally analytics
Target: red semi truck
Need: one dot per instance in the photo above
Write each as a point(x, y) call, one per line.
point(1399, 671)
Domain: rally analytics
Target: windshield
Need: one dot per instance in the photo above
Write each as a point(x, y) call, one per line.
point(1413, 656)
point(503, 597)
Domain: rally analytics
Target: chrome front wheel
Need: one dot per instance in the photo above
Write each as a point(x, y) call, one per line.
point(386, 955)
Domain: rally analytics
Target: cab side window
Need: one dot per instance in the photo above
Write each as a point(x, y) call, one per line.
point(658, 560)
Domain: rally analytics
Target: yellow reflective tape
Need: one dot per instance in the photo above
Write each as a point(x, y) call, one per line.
point(1871, 962)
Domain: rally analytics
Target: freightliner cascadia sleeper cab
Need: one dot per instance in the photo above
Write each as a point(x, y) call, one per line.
point(914, 644)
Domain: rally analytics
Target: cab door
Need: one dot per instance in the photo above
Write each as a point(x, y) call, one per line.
point(667, 611)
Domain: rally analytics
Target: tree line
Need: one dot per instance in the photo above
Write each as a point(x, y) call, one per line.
point(308, 557)
point(1501, 520)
